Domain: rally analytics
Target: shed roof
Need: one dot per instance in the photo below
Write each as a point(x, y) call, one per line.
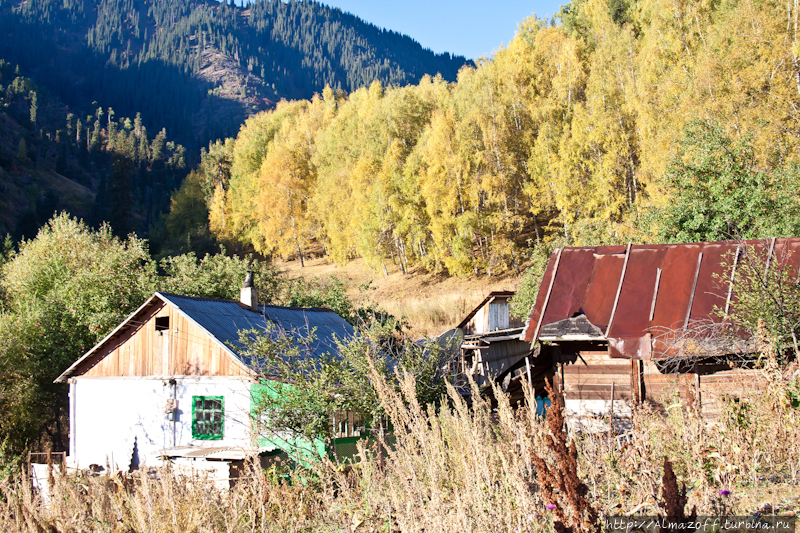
point(636, 296)
point(489, 298)
point(223, 320)
point(222, 453)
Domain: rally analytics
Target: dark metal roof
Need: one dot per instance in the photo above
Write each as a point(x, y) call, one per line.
point(225, 319)
point(574, 327)
point(643, 297)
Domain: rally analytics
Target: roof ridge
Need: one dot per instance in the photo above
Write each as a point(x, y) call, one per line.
point(237, 302)
point(312, 309)
point(197, 298)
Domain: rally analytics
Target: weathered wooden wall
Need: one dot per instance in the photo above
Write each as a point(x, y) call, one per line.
point(587, 382)
point(501, 355)
point(182, 350)
point(592, 375)
point(491, 316)
point(707, 386)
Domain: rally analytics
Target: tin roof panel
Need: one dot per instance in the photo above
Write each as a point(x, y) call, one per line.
point(693, 284)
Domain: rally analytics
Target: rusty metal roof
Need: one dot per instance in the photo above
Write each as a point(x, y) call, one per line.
point(636, 294)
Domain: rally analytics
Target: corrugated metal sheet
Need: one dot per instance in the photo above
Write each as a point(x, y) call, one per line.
point(639, 295)
point(229, 453)
point(226, 319)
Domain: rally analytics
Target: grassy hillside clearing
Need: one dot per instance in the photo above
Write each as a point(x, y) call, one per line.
point(432, 303)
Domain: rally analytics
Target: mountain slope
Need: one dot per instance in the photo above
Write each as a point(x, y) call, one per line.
point(199, 67)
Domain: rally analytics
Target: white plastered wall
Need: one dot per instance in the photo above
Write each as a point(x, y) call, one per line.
point(110, 414)
point(592, 415)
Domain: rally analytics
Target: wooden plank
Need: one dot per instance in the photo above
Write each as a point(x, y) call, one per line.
point(604, 387)
point(598, 395)
point(671, 378)
point(655, 294)
point(659, 391)
point(598, 379)
point(694, 288)
point(769, 256)
point(733, 275)
point(751, 380)
point(619, 289)
point(601, 358)
point(621, 370)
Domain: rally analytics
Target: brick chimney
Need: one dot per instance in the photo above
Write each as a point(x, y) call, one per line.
point(248, 293)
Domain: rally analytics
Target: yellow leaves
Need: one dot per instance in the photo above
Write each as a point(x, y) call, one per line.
point(282, 213)
point(566, 126)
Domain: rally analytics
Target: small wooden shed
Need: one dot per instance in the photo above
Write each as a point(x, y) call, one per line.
point(611, 326)
point(492, 340)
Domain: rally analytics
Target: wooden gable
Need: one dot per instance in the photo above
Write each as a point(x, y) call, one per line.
point(159, 340)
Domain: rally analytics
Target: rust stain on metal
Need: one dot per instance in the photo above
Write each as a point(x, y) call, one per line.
point(646, 289)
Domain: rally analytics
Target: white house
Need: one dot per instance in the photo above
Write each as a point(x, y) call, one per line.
point(172, 380)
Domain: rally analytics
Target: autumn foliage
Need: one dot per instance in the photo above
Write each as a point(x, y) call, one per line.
point(568, 131)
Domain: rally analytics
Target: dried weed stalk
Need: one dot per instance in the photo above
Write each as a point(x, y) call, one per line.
point(560, 485)
point(675, 498)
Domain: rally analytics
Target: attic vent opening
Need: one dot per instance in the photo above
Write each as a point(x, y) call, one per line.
point(162, 323)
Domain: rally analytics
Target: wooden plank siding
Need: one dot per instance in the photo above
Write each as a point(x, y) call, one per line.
point(590, 375)
point(181, 350)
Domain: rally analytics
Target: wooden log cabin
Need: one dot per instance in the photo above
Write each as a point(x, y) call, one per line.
point(616, 326)
point(173, 381)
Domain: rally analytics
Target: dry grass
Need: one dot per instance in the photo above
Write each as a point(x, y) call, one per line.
point(431, 303)
point(457, 469)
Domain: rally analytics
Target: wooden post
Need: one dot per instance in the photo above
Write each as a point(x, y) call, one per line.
point(730, 285)
point(611, 413)
point(697, 389)
point(640, 378)
point(694, 288)
point(655, 295)
point(530, 382)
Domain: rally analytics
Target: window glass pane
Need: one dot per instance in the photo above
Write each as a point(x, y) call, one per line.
point(208, 419)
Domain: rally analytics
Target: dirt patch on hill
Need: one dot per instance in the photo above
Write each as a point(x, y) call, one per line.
point(432, 303)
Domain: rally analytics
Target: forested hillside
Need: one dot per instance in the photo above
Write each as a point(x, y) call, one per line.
point(198, 67)
point(98, 165)
point(625, 120)
point(104, 73)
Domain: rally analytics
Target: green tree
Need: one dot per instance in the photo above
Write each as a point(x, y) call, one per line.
point(305, 391)
point(186, 224)
point(64, 290)
point(719, 192)
point(766, 300)
point(217, 276)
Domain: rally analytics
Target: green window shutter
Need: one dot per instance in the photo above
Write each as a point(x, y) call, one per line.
point(208, 417)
